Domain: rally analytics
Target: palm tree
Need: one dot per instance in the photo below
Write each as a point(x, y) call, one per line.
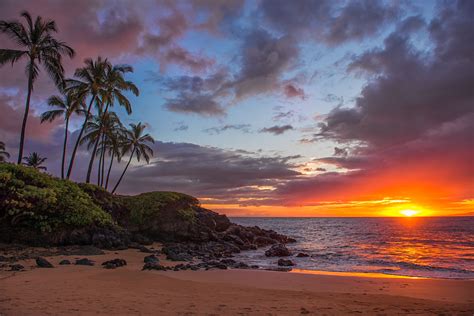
point(4, 155)
point(65, 105)
point(100, 127)
point(115, 144)
point(39, 47)
point(90, 82)
point(35, 160)
point(115, 84)
point(136, 144)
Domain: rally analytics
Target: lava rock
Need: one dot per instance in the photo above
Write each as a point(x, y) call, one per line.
point(145, 249)
point(43, 263)
point(302, 255)
point(16, 267)
point(151, 259)
point(154, 266)
point(115, 263)
point(285, 263)
point(84, 262)
point(278, 250)
point(64, 262)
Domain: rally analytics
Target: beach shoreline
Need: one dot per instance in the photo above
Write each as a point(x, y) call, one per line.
point(84, 290)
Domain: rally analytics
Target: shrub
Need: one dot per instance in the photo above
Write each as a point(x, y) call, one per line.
point(45, 203)
point(149, 205)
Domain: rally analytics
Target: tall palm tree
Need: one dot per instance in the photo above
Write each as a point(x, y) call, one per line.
point(100, 126)
point(66, 106)
point(35, 160)
point(115, 85)
point(4, 155)
point(39, 47)
point(136, 144)
point(89, 83)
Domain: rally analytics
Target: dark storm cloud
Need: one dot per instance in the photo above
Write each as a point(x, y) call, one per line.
point(277, 129)
point(245, 128)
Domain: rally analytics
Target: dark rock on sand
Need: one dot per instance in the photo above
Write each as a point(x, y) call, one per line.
point(151, 259)
point(84, 262)
point(302, 255)
point(16, 267)
point(64, 262)
point(43, 263)
point(278, 250)
point(285, 263)
point(115, 263)
point(154, 266)
point(145, 249)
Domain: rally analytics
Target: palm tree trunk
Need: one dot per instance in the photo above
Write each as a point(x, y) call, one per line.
point(91, 161)
point(110, 168)
point(64, 148)
point(99, 166)
point(25, 116)
point(73, 156)
point(102, 175)
point(123, 173)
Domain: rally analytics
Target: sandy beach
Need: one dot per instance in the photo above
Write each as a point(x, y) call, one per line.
point(87, 290)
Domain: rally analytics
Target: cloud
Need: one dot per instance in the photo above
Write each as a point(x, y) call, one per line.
point(245, 128)
point(291, 91)
point(264, 58)
point(181, 127)
point(277, 129)
point(329, 21)
point(195, 104)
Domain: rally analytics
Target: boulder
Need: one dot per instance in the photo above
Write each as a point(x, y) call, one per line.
point(43, 263)
point(302, 255)
point(154, 266)
point(151, 259)
point(64, 262)
point(285, 263)
point(16, 267)
point(115, 263)
point(278, 250)
point(84, 262)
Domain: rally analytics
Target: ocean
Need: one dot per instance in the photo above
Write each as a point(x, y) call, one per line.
point(438, 247)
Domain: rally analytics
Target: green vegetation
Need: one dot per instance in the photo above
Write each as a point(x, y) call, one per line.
point(45, 203)
point(150, 205)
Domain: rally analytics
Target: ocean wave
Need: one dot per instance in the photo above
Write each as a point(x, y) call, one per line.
point(415, 266)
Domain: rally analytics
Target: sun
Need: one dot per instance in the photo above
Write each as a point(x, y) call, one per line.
point(409, 212)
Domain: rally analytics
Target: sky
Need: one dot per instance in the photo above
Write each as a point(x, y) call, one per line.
point(274, 107)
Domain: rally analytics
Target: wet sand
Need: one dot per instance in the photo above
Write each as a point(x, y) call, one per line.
point(85, 290)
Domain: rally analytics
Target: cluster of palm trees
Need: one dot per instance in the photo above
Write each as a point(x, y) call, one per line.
point(96, 88)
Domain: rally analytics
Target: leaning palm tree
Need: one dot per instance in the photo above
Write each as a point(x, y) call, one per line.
point(98, 128)
point(35, 160)
point(136, 144)
point(39, 47)
point(66, 106)
point(89, 83)
point(4, 155)
point(114, 87)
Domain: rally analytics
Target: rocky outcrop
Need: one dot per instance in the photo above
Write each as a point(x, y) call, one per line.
point(115, 263)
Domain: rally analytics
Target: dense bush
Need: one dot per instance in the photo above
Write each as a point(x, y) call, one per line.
point(146, 206)
point(37, 200)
